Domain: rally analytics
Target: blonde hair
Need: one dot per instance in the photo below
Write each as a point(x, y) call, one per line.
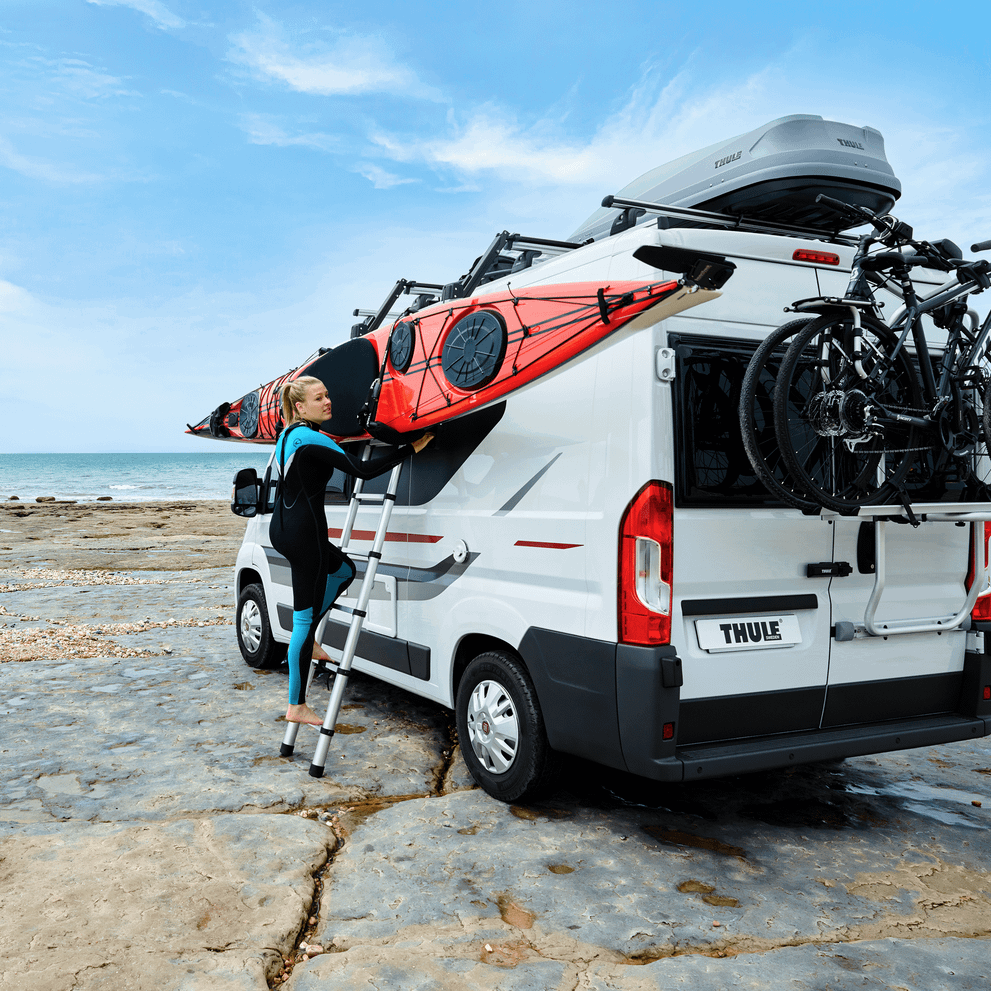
point(295, 392)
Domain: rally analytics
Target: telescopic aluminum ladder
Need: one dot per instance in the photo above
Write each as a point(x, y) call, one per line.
point(340, 669)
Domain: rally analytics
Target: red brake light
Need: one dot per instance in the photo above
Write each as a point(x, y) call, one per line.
point(819, 257)
point(646, 560)
point(982, 608)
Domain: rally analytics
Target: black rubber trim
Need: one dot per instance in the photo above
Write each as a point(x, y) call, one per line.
point(759, 603)
point(976, 677)
point(326, 732)
point(399, 655)
point(575, 679)
point(730, 717)
point(375, 554)
point(895, 698)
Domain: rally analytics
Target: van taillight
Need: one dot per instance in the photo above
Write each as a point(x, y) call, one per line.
point(982, 608)
point(646, 558)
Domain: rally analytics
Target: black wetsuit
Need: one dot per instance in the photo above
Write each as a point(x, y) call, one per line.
point(306, 459)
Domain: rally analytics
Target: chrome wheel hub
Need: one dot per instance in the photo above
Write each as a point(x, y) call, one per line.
point(251, 625)
point(493, 727)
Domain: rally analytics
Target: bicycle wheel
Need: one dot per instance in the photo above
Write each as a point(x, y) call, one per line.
point(757, 417)
point(835, 428)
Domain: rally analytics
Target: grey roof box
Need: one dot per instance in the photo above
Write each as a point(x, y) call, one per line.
point(773, 174)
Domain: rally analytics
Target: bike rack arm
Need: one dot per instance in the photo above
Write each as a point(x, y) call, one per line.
point(931, 513)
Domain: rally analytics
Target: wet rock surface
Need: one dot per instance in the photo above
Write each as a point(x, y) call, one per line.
point(151, 836)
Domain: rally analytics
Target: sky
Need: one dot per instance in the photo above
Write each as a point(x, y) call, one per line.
point(196, 194)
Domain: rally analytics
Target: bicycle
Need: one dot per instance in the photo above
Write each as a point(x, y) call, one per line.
point(852, 409)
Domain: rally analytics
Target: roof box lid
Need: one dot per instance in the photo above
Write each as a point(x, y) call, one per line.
point(772, 173)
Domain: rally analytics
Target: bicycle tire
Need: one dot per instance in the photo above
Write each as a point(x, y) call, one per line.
point(756, 414)
point(828, 441)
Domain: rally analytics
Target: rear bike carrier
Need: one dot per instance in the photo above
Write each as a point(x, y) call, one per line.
point(974, 513)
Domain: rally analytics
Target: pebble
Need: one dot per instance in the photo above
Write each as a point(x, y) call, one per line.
point(104, 498)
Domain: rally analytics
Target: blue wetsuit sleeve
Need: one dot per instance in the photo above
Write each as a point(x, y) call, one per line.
point(322, 448)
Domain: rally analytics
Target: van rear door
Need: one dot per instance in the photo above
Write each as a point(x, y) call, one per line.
point(903, 675)
point(754, 629)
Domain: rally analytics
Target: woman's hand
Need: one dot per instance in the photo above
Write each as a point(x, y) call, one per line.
point(419, 445)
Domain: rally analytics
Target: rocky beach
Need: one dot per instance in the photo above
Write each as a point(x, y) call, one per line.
point(152, 838)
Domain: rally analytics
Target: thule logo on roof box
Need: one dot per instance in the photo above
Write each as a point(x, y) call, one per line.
point(851, 144)
point(728, 159)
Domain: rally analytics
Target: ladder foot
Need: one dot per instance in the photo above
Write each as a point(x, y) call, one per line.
point(286, 750)
point(316, 771)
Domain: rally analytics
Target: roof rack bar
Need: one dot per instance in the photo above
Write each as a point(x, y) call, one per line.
point(545, 241)
point(726, 219)
point(374, 318)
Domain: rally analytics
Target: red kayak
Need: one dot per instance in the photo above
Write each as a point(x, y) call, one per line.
point(455, 357)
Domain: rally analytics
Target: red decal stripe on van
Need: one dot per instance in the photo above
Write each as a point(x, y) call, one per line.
point(544, 543)
point(406, 538)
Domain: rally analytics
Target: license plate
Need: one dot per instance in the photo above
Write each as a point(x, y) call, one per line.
point(748, 633)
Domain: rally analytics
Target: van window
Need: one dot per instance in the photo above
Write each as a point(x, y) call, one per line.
point(711, 464)
point(426, 473)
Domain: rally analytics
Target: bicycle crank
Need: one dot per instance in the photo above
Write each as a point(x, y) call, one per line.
point(961, 440)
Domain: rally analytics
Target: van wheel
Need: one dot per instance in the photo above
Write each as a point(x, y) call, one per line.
point(254, 632)
point(501, 730)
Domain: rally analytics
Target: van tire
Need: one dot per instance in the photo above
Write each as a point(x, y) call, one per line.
point(518, 763)
point(254, 632)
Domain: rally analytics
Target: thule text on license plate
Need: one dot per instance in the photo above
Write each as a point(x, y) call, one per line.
point(748, 632)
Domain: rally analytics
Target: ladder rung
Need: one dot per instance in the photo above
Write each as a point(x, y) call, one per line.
point(368, 497)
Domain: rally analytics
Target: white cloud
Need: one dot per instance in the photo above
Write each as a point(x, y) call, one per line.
point(535, 168)
point(378, 176)
point(81, 79)
point(348, 65)
point(35, 168)
point(262, 130)
point(158, 12)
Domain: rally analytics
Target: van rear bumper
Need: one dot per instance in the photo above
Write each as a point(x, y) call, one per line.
point(711, 760)
point(620, 705)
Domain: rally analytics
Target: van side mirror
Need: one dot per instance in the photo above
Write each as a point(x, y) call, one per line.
point(245, 497)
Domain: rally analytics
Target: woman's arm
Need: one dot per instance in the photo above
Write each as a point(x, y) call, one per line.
point(321, 448)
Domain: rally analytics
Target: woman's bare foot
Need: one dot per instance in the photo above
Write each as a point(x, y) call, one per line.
point(303, 714)
point(319, 654)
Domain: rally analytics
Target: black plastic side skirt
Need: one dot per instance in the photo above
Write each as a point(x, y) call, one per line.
point(400, 655)
point(605, 701)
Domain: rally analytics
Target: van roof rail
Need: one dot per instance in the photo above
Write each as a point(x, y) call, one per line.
point(733, 221)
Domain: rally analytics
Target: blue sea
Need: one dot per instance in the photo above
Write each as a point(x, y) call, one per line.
point(126, 477)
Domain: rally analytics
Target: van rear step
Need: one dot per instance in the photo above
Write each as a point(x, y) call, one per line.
point(713, 760)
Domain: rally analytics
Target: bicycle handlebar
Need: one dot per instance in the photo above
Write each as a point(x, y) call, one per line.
point(981, 246)
point(893, 259)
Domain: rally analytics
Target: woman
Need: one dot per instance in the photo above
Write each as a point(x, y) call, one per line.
point(305, 460)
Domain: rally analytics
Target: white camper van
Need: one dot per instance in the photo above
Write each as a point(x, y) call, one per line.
point(591, 567)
